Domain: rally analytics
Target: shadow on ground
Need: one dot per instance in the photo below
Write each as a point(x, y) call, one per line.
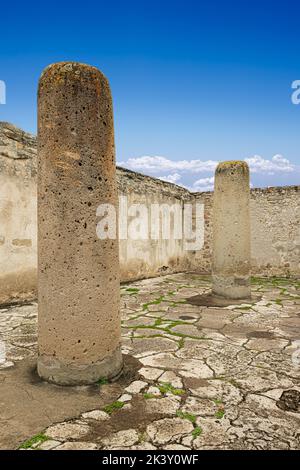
point(28, 404)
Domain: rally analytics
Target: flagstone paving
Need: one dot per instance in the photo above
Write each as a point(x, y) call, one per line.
point(205, 378)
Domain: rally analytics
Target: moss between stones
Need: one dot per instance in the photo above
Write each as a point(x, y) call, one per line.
point(217, 401)
point(189, 416)
point(165, 387)
point(39, 438)
point(220, 413)
point(149, 396)
point(116, 405)
point(102, 381)
point(132, 290)
point(197, 432)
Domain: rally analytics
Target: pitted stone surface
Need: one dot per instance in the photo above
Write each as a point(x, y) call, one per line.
point(67, 431)
point(231, 253)
point(125, 438)
point(136, 386)
point(168, 430)
point(167, 405)
point(96, 414)
point(78, 271)
point(77, 446)
point(235, 386)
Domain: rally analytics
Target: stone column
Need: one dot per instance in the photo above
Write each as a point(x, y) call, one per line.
point(231, 231)
point(78, 274)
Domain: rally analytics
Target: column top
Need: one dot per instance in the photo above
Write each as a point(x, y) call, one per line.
point(233, 167)
point(58, 72)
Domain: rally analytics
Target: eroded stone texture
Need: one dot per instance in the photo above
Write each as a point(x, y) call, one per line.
point(216, 390)
point(79, 322)
point(231, 231)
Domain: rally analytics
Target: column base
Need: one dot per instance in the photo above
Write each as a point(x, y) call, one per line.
point(55, 371)
point(231, 287)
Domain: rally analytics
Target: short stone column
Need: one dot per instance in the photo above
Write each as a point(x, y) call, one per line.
point(231, 231)
point(78, 274)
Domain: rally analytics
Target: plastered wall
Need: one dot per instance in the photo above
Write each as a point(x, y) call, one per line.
point(275, 224)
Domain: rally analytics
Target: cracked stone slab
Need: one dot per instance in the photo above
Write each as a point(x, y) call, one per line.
point(77, 446)
point(214, 433)
point(200, 406)
point(125, 397)
point(136, 387)
point(146, 346)
point(96, 414)
point(49, 444)
point(150, 373)
point(171, 378)
point(263, 345)
point(125, 438)
point(239, 376)
point(187, 368)
point(168, 405)
point(65, 431)
point(168, 430)
point(221, 390)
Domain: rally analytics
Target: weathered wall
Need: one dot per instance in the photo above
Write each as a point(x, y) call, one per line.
point(146, 258)
point(275, 231)
point(18, 234)
point(18, 220)
point(275, 224)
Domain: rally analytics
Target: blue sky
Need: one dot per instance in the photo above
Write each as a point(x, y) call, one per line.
point(193, 82)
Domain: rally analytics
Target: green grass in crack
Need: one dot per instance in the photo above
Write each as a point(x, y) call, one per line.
point(39, 438)
point(142, 437)
point(102, 381)
point(272, 281)
point(220, 413)
point(166, 326)
point(174, 303)
point(168, 388)
point(157, 301)
point(132, 290)
point(116, 405)
point(197, 432)
point(217, 401)
point(233, 382)
point(149, 396)
point(189, 416)
point(176, 335)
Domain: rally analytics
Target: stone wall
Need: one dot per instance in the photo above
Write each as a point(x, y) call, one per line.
point(275, 231)
point(275, 220)
point(18, 220)
point(148, 258)
point(18, 225)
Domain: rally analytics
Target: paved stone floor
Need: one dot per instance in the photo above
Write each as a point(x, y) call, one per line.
point(201, 378)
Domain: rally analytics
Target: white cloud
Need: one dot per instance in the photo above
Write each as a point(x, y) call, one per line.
point(277, 164)
point(203, 184)
point(181, 172)
point(174, 178)
point(158, 164)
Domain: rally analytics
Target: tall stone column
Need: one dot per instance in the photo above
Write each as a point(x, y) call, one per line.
point(78, 274)
point(231, 231)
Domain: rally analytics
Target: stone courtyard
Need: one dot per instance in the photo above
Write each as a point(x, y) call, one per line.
point(194, 377)
point(130, 346)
